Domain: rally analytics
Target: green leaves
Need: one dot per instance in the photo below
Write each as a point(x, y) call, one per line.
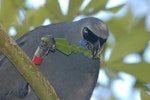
point(139, 70)
point(144, 95)
point(9, 10)
point(94, 7)
point(74, 6)
point(63, 46)
point(130, 38)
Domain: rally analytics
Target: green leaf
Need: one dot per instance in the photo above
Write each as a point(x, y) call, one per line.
point(32, 18)
point(144, 95)
point(139, 70)
point(94, 7)
point(74, 6)
point(9, 12)
point(141, 85)
point(63, 46)
point(115, 9)
point(55, 14)
point(21, 30)
point(45, 39)
point(0, 54)
point(129, 39)
point(119, 26)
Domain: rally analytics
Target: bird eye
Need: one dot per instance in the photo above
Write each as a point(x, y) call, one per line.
point(85, 31)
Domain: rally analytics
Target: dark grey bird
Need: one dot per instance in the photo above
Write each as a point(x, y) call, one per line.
point(73, 76)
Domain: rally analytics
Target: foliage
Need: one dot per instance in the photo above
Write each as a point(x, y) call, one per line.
point(63, 46)
point(129, 34)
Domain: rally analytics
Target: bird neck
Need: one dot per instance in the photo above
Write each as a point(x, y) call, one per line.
point(73, 34)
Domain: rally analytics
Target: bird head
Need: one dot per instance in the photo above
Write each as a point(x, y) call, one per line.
point(94, 35)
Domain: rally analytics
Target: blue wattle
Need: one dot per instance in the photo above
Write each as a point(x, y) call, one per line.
point(83, 43)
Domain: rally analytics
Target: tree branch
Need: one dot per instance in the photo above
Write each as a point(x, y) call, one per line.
point(25, 66)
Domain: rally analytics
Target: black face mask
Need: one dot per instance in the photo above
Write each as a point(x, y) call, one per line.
point(88, 35)
point(91, 41)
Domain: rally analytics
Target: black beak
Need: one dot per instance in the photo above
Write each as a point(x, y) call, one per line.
point(98, 46)
point(95, 48)
point(92, 42)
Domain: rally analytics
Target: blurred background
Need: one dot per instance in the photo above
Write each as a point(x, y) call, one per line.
point(125, 60)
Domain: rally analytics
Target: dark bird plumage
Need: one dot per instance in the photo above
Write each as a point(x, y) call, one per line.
point(73, 77)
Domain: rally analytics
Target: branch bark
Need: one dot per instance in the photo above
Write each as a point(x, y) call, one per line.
point(24, 65)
